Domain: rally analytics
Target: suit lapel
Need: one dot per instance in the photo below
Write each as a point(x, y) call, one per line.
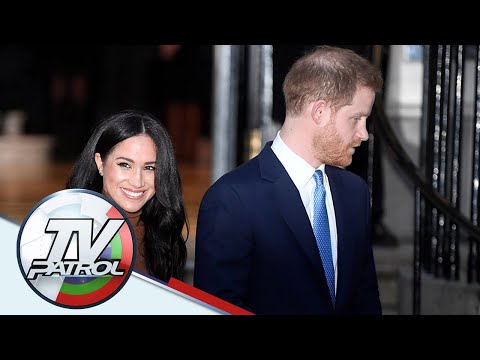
point(290, 206)
point(344, 249)
point(293, 212)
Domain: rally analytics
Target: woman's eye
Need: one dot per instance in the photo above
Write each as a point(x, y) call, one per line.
point(149, 167)
point(124, 165)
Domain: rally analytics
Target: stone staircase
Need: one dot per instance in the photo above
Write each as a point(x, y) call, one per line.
point(388, 261)
point(438, 296)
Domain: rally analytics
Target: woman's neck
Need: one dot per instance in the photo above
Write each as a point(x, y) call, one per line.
point(132, 215)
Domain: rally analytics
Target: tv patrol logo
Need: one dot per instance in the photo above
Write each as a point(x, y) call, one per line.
point(76, 248)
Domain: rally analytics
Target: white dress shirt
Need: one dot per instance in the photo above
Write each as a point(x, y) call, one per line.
point(301, 173)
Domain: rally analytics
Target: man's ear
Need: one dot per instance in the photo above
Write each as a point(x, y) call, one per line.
point(321, 112)
point(99, 162)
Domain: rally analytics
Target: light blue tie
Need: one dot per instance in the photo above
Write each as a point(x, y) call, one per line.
point(321, 229)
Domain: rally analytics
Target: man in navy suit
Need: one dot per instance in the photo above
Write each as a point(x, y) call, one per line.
point(255, 242)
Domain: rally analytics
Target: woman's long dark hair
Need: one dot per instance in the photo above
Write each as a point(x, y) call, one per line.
point(164, 214)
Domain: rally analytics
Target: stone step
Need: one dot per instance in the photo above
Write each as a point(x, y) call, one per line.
point(438, 296)
point(388, 260)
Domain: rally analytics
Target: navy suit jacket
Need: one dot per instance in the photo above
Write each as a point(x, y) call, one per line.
point(255, 246)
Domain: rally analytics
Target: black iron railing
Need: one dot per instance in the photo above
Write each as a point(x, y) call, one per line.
point(440, 226)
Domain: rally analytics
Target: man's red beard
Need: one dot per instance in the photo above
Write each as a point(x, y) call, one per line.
point(329, 147)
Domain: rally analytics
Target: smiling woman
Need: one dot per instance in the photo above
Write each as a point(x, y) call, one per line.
point(130, 159)
point(129, 172)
